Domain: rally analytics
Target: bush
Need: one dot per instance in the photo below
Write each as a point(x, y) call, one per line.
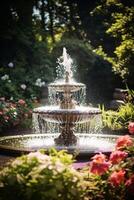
point(14, 114)
point(25, 75)
point(112, 177)
point(39, 176)
point(120, 119)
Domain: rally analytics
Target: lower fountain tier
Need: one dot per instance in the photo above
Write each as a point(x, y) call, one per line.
point(78, 115)
point(88, 144)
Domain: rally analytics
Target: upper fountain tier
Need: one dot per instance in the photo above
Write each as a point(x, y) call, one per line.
point(67, 84)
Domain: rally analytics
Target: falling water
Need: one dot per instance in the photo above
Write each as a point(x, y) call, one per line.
point(54, 97)
point(40, 125)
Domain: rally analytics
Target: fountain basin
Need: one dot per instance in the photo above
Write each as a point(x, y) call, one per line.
point(87, 145)
point(80, 114)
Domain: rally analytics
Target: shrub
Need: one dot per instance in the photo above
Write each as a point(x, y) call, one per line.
point(14, 114)
point(120, 119)
point(112, 177)
point(25, 75)
point(39, 176)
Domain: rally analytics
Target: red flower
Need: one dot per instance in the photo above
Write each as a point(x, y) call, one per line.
point(99, 158)
point(130, 184)
point(21, 102)
point(116, 178)
point(124, 141)
point(99, 168)
point(99, 165)
point(131, 127)
point(117, 156)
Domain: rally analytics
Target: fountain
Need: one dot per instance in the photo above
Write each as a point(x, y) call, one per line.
point(67, 114)
point(66, 123)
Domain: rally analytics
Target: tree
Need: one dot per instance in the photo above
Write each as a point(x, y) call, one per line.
point(120, 28)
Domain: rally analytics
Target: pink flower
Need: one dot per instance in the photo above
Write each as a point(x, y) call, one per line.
point(1, 113)
point(99, 165)
point(116, 178)
point(130, 184)
point(123, 141)
point(131, 127)
point(21, 102)
point(99, 158)
point(117, 156)
point(99, 168)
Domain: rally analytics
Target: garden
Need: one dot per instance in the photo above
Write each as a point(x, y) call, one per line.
point(98, 35)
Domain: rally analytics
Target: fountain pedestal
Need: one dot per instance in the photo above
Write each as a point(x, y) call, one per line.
point(67, 136)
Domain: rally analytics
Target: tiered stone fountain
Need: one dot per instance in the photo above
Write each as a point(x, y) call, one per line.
point(60, 125)
point(67, 114)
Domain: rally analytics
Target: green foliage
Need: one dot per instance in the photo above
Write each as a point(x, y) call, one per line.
point(120, 119)
point(26, 72)
point(121, 29)
point(130, 96)
point(39, 176)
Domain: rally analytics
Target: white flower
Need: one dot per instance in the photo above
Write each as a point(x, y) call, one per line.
point(39, 83)
point(10, 64)
point(43, 83)
point(15, 114)
point(38, 80)
point(23, 86)
point(9, 81)
point(5, 77)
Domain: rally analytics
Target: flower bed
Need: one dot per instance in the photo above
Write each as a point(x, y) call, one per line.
point(13, 114)
point(112, 177)
point(40, 176)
